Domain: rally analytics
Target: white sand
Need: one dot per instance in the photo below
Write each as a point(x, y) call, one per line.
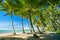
point(19, 35)
point(5, 34)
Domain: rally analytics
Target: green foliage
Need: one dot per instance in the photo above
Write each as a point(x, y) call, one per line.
point(58, 31)
point(49, 28)
point(40, 15)
point(31, 3)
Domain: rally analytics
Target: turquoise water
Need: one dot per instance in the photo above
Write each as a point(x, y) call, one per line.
point(10, 31)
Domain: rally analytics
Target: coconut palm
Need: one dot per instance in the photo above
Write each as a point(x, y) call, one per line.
point(26, 10)
point(17, 12)
point(23, 26)
point(28, 22)
point(42, 5)
point(7, 7)
point(10, 14)
point(13, 7)
point(30, 5)
point(37, 24)
point(19, 8)
point(51, 14)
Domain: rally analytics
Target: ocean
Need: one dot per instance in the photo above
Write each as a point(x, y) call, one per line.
point(10, 31)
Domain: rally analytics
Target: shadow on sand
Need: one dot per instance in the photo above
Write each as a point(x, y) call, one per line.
point(45, 37)
point(11, 38)
point(41, 37)
point(32, 38)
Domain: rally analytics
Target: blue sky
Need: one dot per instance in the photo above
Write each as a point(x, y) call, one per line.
point(5, 22)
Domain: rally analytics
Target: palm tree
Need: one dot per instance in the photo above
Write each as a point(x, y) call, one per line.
point(22, 25)
point(12, 25)
point(7, 7)
point(27, 10)
point(29, 25)
point(36, 21)
point(13, 8)
point(50, 3)
point(30, 5)
point(10, 14)
point(37, 25)
point(52, 17)
point(53, 20)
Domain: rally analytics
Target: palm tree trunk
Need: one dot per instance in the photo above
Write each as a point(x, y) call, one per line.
point(12, 24)
point(39, 30)
point(29, 26)
point(42, 20)
point(33, 31)
point(54, 26)
point(22, 26)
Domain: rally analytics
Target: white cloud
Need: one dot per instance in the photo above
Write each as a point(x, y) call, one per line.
point(7, 25)
point(17, 26)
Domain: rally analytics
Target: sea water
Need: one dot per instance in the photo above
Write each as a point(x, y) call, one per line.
point(10, 31)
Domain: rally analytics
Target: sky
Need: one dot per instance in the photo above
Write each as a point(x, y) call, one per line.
point(5, 22)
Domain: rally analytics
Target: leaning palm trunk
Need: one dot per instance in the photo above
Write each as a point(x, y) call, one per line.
point(29, 27)
point(31, 23)
point(22, 26)
point(12, 25)
point(42, 20)
point(54, 26)
point(39, 30)
point(33, 31)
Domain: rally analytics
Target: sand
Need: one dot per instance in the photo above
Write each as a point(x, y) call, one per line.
point(29, 36)
point(18, 35)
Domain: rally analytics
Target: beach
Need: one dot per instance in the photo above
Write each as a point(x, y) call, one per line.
point(8, 36)
point(18, 35)
point(29, 36)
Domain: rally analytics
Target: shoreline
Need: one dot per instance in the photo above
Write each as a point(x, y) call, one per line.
point(18, 35)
